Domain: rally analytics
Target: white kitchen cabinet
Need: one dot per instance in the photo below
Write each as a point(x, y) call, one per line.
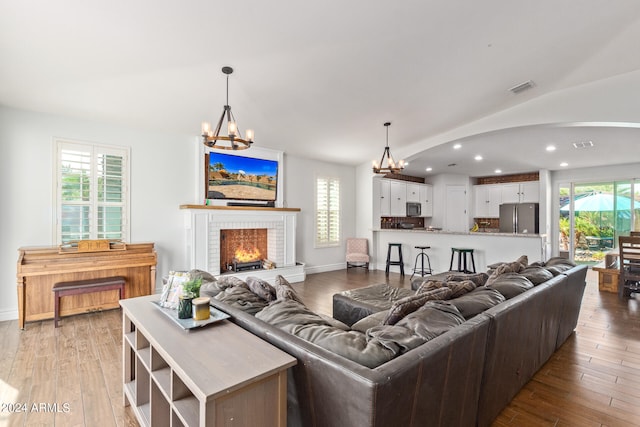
point(521, 192)
point(426, 200)
point(413, 192)
point(487, 199)
point(398, 198)
point(384, 197)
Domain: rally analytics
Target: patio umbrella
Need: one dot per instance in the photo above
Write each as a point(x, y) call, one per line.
point(599, 202)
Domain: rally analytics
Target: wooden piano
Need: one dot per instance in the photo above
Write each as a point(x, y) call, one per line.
point(39, 268)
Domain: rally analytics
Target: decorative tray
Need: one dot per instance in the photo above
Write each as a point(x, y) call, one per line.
point(188, 324)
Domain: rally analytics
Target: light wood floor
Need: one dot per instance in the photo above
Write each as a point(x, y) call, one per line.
point(593, 380)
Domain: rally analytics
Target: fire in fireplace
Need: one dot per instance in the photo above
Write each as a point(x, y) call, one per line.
point(242, 249)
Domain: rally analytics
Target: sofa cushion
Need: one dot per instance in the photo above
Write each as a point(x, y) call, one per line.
point(261, 288)
point(409, 304)
point(511, 284)
point(434, 318)
point(284, 290)
point(370, 351)
point(375, 319)
point(241, 298)
point(477, 301)
point(536, 274)
point(558, 265)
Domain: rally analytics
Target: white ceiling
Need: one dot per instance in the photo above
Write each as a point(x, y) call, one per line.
point(319, 79)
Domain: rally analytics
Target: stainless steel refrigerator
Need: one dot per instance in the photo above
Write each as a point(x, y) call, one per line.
point(519, 218)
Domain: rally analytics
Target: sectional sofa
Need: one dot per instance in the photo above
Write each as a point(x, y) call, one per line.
point(448, 363)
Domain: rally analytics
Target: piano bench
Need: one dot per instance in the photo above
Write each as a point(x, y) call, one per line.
point(78, 287)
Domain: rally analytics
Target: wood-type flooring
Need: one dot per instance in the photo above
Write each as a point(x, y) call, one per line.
point(72, 375)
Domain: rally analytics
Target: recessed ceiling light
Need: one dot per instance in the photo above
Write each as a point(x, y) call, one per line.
point(478, 157)
point(564, 164)
point(406, 163)
point(498, 171)
point(551, 148)
point(457, 146)
point(429, 169)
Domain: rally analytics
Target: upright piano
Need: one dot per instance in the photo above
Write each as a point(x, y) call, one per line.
point(39, 268)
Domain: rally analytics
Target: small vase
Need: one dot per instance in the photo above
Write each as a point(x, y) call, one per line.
point(184, 307)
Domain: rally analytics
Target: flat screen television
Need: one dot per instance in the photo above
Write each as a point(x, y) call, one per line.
point(235, 177)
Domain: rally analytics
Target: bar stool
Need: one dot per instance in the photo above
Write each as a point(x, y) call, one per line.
point(422, 271)
point(462, 254)
point(399, 262)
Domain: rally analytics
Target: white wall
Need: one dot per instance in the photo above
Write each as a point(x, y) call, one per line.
point(164, 175)
point(299, 191)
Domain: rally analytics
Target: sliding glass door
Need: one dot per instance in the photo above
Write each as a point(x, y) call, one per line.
point(594, 215)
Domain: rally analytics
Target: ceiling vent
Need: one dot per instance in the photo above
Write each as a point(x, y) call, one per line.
point(522, 86)
point(583, 144)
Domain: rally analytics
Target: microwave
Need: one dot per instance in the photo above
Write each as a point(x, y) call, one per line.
point(414, 209)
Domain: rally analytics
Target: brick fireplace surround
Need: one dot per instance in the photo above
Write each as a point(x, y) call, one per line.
point(204, 223)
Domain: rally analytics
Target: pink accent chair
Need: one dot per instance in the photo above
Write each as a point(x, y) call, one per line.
point(357, 253)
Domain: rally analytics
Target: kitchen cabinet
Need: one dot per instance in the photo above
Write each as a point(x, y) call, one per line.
point(384, 197)
point(487, 199)
point(521, 192)
point(413, 192)
point(426, 200)
point(398, 198)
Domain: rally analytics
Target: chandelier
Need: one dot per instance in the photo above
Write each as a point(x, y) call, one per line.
point(391, 166)
point(233, 140)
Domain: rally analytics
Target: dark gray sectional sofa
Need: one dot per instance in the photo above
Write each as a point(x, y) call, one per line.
point(462, 377)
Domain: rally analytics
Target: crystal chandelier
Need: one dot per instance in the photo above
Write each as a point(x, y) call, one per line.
point(233, 140)
point(391, 166)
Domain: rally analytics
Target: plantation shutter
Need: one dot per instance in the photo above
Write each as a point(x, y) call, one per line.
point(327, 212)
point(91, 192)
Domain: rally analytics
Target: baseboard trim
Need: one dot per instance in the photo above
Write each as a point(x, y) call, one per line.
point(325, 268)
point(11, 314)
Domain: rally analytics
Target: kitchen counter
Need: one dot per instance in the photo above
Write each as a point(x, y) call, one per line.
point(460, 233)
point(489, 247)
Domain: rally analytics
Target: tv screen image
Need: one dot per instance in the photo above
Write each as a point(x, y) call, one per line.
point(241, 178)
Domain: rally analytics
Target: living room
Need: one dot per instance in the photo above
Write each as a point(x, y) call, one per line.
point(313, 129)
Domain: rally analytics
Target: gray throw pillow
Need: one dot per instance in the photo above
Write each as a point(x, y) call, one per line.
point(261, 288)
point(409, 304)
point(285, 291)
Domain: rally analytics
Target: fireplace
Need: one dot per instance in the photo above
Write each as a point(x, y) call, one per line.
point(204, 226)
point(243, 249)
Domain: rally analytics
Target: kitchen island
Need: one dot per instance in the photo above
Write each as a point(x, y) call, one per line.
point(489, 247)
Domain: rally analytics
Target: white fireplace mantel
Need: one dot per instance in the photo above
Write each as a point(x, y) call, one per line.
point(203, 224)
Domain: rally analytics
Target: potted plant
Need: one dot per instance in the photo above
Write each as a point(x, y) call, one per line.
point(190, 290)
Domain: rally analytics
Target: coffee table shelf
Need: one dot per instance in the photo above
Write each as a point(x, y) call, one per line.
point(207, 377)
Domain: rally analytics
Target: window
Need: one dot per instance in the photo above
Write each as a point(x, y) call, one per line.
point(327, 212)
point(91, 191)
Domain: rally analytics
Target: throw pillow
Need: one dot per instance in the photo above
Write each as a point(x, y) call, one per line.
point(460, 288)
point(478, 278)
point(229, 281)
point(430, 285)
point(409, 304)
point(285, 291)
point(261, 288)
